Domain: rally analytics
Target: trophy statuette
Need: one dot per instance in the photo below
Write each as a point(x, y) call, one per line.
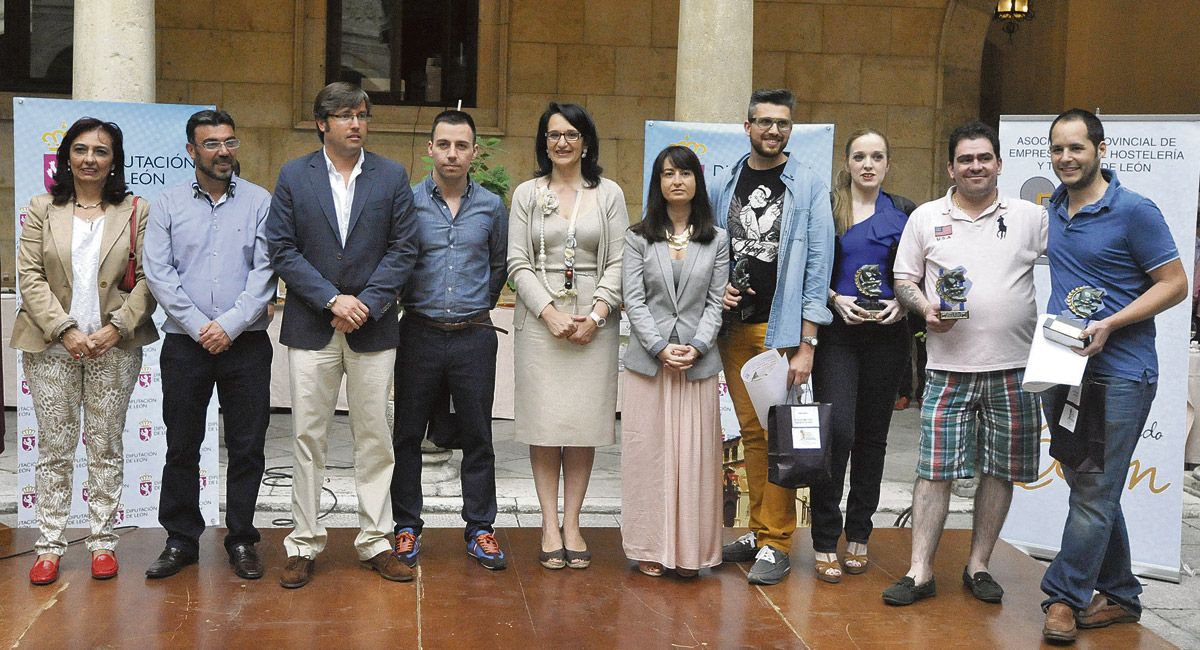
point(868, 279)
point(952, 287)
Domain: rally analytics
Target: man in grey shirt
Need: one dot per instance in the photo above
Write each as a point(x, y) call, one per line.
point(205, 258)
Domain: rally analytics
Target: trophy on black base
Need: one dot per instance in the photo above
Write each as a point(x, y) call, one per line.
point(868, 279)
point(952, 287)
point(741, 282)
point(1083, 302)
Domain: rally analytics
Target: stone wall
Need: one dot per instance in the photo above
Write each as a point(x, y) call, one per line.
point(910, 68)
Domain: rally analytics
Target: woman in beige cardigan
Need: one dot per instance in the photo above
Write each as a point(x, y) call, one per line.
point(564, 256)
point(81, 333)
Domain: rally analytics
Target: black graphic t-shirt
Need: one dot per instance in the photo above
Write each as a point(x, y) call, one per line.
point(754, 219)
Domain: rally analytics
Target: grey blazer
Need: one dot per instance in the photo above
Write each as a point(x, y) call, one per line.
point(655, 307)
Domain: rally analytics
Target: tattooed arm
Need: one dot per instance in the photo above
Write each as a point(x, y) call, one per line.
point(914, 301)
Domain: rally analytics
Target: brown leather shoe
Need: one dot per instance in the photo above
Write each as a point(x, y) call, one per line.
point(390, 567)
point(298, 572)
point(1060, 623)
point(1102, 612)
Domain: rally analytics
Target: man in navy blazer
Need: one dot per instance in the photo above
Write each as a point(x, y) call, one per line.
point(342, 236)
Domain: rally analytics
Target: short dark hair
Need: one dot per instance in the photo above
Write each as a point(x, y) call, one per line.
point(207, 117)
point(335, 96)
point(452, 117)
point(780, 96)
point(578, 118)
point(973, 131)
point(115, 190)
point(656, 222)
point(1095, 129)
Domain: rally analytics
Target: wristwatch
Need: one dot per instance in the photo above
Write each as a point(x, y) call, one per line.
point(598, 319)
point(811, 340)
point(329, 305)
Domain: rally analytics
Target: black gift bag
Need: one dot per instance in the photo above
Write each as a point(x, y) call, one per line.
point(1080, 447)
point(798, 444)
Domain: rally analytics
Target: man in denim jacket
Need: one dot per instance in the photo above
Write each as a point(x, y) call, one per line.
point(781, 235)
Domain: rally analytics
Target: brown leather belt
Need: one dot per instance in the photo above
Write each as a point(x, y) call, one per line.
point(482, 320)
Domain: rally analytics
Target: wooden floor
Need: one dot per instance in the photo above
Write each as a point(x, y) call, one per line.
point(454, 603)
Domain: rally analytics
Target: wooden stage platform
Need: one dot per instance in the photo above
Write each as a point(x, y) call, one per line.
point(455, 603)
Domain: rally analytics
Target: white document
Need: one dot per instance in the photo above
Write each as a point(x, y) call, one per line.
point(806, 428)
point(1050, 363)
point(765, 377)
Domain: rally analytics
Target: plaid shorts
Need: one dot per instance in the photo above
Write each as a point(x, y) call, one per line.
point(960, 408)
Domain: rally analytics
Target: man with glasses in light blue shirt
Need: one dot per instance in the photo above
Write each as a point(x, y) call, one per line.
point(205, 259)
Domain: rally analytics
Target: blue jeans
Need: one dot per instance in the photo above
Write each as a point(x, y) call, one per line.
point(1094, 520)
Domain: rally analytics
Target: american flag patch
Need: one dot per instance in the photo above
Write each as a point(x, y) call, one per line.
point(943, 231)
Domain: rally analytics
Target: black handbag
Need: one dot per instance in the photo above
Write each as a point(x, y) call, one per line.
point(798, 444)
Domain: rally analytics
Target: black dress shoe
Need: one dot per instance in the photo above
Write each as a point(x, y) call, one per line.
point(169, 562)
point(245, 561)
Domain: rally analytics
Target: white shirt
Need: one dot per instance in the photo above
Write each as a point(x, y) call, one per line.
point(85, 267)
point(343, 192)
point(998, 251)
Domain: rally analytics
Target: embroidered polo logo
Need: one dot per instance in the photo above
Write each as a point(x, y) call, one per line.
point(943, 232)
point(1001, 229)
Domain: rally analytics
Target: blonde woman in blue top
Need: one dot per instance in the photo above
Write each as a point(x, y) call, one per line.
point(857, 367)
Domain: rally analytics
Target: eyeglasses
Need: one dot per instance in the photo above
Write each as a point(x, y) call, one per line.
point(571, 136)
point(214, 145)
point(346, 118)
point(765, 123)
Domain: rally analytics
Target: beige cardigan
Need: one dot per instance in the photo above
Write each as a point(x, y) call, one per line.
point(532, 296)
point(44, 275)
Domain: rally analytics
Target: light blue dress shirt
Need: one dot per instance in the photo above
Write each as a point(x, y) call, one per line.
point(207, 261)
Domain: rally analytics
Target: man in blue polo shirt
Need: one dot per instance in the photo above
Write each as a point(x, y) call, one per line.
point(447, 341)
point(1107, 237)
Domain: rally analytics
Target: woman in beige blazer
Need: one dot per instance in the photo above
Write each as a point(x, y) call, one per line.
point(675, 267)
point(564, 257)
point(81, 334)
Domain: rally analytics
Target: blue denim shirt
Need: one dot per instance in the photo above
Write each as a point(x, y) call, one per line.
point(460, 268)
point(806, 239)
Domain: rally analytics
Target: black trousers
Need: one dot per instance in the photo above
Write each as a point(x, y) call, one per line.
point(857, 369)
point(242, 376)
point(430, 363)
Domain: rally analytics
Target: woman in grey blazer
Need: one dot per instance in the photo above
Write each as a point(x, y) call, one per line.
point(675, 267)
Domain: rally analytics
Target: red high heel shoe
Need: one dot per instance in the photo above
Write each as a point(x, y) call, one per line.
point(44, 572)
point(104, 565)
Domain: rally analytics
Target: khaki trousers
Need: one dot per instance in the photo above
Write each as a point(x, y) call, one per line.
point(772, 508)
point(316, 376)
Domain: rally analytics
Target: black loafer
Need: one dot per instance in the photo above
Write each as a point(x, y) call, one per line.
point(982, 586)
point(245, 561)
point(169, 562)
point(906, 591)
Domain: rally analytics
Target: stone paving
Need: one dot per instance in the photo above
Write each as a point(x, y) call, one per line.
point(1171, 610)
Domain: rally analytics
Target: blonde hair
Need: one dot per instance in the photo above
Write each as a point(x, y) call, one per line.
point(843, 207)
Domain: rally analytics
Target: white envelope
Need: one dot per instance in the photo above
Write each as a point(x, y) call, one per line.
point(1050, 364)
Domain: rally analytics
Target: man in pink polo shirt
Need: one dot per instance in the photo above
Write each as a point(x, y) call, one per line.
point(973, 394)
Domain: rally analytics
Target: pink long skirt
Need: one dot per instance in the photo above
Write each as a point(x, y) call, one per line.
point(671, 470)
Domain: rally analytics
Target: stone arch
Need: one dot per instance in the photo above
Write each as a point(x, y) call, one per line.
point(960, 54)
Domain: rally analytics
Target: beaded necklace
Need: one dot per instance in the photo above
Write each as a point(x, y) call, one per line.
point(548, 202)
point(679, 242)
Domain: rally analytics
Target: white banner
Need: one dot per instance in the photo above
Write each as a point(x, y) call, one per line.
point(154, 158)
point(1157, 156)
point(719, 147)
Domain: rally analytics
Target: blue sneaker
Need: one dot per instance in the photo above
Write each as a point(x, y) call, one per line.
point(486, 550)
point(408, 546)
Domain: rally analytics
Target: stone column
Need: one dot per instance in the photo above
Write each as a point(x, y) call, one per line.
point(114, 51)
point(715, 61)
